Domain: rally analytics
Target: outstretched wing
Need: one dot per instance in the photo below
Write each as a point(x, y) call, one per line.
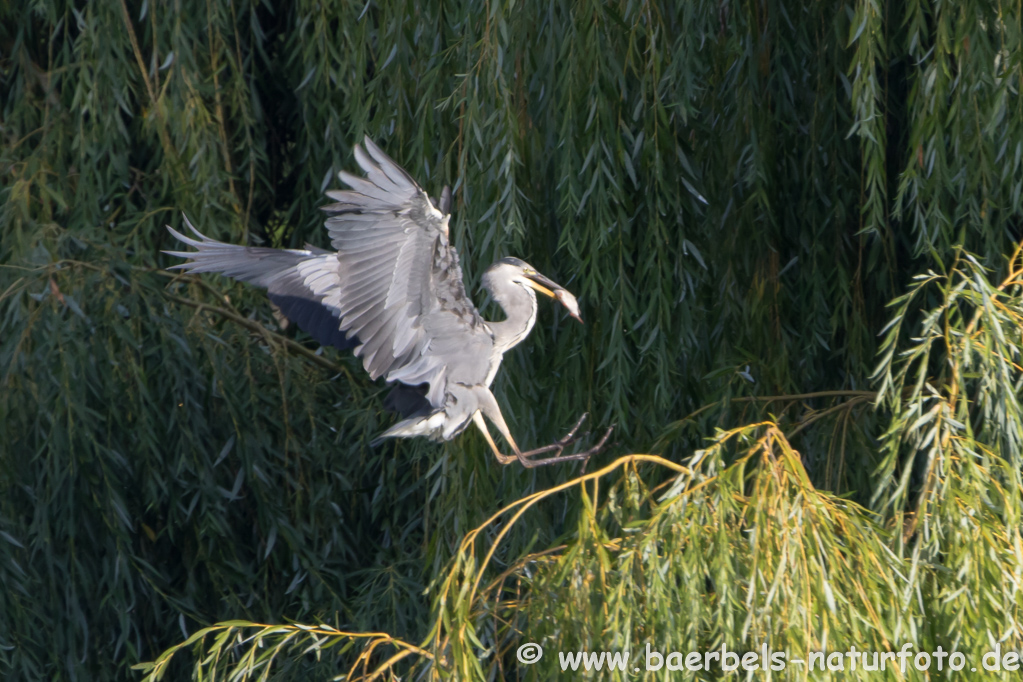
point(400, 288)
point(303, 283)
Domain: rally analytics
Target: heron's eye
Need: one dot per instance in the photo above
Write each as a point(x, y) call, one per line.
point(528, 271)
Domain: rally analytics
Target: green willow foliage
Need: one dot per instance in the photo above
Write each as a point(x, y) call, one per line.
point(740, 193)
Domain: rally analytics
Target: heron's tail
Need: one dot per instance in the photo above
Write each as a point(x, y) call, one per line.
point(430, 425)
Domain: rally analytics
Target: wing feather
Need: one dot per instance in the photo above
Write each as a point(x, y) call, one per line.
point(401, 288)
point(393, 171)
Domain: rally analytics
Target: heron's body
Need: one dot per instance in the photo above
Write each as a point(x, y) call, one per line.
point(393, 291)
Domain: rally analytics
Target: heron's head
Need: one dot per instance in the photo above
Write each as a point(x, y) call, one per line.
point(525, 275)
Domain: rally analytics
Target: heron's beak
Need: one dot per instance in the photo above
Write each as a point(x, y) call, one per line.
point(554, 290)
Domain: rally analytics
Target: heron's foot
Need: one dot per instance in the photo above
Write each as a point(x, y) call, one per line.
point(526, 458)
point(561, 444)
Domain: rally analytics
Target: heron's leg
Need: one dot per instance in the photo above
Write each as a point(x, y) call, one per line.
point(488, 406)
point(525, 458)
point(493, 413)
point(477, 419)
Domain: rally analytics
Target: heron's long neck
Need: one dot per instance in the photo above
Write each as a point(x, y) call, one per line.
point(519, 306)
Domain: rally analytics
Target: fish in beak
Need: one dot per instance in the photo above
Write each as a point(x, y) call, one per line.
point(554, 290)
point(568, 300)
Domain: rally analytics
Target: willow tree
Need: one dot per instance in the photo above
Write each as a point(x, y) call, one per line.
point(793, 228)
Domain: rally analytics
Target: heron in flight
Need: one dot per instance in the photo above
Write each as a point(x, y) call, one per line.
point(393, 291)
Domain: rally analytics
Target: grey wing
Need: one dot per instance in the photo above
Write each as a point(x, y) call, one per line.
point(303, 283)
point(401, 291)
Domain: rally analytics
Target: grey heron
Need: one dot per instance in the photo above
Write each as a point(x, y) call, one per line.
point(393, 292)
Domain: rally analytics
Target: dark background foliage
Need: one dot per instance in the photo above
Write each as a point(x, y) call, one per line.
point(735, 191)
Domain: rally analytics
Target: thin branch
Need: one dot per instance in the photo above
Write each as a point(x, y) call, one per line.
point(165, 140)
point(291, 345)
